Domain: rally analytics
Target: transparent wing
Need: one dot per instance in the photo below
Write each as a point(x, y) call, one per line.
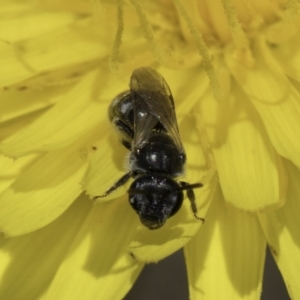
point(153, 103)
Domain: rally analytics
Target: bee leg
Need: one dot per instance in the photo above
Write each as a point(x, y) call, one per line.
point(126, 132)
point(126, 144)
point(120, 182)
point(191, 196)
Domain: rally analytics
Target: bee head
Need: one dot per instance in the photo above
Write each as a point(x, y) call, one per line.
point(155, 199)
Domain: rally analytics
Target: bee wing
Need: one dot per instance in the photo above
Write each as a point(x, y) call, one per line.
point(153, 103)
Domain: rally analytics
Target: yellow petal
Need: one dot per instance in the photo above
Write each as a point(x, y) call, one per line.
point(108, 160)
point(78, 6)
point(47, 52)
point(75, 114)
point(11, 69)
point(187, 86)
point(283, 32)
point(251, 172)
point(275, 98)
point(18, 103)
point(97, 265)
point(226, 257)
point(11, 127)
point(42, 192)
point(106, 167)
point(39, 254)
point(281, 228)
point(19, 20)
point(151, 246)
point(288, 56)
point(11, 169)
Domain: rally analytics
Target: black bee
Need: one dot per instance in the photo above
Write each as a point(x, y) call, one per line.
point(145, 118)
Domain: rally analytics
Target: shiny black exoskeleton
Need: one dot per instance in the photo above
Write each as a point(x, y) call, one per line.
point(145, 118)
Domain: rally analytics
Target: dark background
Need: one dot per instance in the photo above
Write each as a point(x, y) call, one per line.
point(167, 280)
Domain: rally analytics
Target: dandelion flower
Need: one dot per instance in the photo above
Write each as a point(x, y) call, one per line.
point(233, 68)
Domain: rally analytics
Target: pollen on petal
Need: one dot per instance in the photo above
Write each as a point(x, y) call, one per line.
point(238, 35)
point(203, 50)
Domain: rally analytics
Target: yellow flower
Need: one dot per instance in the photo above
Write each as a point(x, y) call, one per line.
point(234, 71)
